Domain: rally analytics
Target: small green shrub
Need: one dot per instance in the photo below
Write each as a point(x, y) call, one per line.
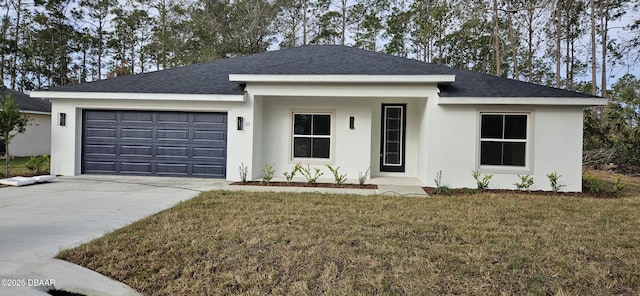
point(340, 179)
point(243, 171)
point(441, 189)
point(593, 183)
point(311, 178)
point(363, 177)
point(618, 185)
point(267, 172)
point(525, 182)
point(38, 164)
point(289, 176)
point(553, 179)
point(484, 184)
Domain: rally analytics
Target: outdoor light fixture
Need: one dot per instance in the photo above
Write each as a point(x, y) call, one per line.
point(62, 119)
point(240, 123)
point(352, 122)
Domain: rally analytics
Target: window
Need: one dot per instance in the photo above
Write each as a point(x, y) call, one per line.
point(312, 135)
point(503, 139)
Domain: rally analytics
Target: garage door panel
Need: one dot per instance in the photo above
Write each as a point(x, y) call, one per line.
point(135, 168)
point(137, 117)
point(172, 169)
point(202, 135)
point(136, 134)
point(101, 117)
point(101, 133)
point(102, 150)
point(208, 153)
point(101, 166)
point(173, 117)
point(164, 134)
point(181, 152)
point(206, 170)
point(136, 151)
point(154, 143)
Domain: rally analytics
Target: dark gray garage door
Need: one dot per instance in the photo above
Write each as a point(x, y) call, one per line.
point(154, 143)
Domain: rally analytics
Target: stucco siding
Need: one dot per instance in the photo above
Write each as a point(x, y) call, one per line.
point(351, 147)
point(66, 140)
point(555, 144)
point(36, 140)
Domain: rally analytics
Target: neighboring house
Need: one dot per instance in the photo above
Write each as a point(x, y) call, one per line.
point(36, 140)
point(320, 105)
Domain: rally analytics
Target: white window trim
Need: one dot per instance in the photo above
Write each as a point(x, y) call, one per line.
point(332, 137)
point(402, 132)
point(527, 169)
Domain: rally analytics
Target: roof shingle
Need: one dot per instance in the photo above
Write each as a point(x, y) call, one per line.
point(25, 102)
point(213, 77)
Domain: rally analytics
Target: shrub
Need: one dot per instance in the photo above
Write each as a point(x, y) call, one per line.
point(593, 183)
point(242, 170)
point(553, 179)
point(267, 172)
point(441, 189)
point(618, 186)
point(340, 179)
point(363, 177)
point(289, 176)
point(525, 182)
point(38, 164)
point(311, 178)
point(484, 184)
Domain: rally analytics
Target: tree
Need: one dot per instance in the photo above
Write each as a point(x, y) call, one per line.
point(12, 122)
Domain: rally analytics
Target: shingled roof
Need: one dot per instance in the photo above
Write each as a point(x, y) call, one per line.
point(213, 77)
point(26, 103)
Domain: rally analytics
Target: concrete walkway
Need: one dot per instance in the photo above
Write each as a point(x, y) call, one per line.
point(39, 220)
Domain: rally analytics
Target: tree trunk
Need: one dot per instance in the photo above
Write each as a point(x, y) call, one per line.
point(344, 21)
point(496, 40)
point(6, 152)
point(14, 66)
point(514, 54)
point(604, 21)
point(558, 41)
point(593, 49)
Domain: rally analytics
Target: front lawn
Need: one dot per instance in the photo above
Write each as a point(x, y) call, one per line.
point(297, 244)
point(18, 166)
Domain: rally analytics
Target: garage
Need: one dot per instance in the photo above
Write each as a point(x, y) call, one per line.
point(154, 143)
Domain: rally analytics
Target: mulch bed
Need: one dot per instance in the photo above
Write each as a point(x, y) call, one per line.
point(306, 184)
point(469, 191)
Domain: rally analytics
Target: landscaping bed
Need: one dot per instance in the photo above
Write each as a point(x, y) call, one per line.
point(307, 184)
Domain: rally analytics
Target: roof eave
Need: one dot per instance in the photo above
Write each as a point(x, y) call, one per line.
point(557, 101)
point(396, 79)
point(137, 96)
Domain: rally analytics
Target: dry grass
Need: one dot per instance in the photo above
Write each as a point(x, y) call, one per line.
point(309, 244)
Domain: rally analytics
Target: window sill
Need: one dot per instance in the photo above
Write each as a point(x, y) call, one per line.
point(511, 170)
point(311, 161)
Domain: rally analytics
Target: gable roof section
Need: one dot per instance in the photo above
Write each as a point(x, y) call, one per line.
point(213, 77)
point(26, 103)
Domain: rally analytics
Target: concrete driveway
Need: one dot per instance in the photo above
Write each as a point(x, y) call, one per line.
point(37, 221)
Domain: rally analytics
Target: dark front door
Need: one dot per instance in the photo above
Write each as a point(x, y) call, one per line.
point(154, 143)
point(392, 139)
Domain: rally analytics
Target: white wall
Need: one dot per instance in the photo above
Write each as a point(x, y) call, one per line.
point(351, 148)
point(36, 140)
point(66, 140)
point(556, 145)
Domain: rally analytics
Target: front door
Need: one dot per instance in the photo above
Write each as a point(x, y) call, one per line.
point(392, 139)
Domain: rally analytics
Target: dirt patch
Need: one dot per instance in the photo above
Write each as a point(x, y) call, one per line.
point(306, 184)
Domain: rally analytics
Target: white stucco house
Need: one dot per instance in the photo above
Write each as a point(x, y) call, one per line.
point(320, 105)
point(36, 140)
